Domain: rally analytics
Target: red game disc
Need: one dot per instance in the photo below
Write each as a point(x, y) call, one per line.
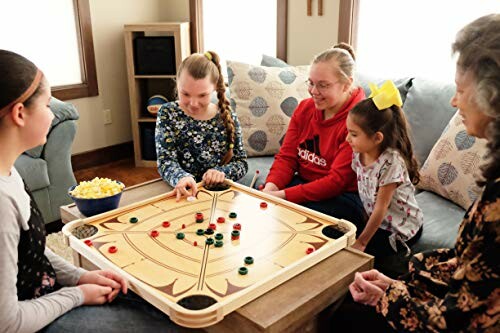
point(199, 216)
point(166, 224)
point(88, 242)
point(195, 243)
point(261, 187)
point(154, 233)
point(237, 226)
point(183, 226)
point(310, 250)
point(212, 226)
point(221, 219)
point(112, 249)
point(263, 204)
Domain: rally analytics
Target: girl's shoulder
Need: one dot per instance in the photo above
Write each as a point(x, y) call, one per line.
point(392, 156)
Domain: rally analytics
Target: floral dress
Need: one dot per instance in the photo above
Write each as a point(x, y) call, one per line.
point(455, 289)
point(187, 147)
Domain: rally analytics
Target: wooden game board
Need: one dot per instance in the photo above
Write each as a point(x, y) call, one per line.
point(195, 283)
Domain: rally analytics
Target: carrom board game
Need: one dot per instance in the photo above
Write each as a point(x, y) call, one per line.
point(201, 258)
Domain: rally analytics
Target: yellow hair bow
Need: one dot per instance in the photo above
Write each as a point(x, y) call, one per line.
point(208, 55)
point(385, 96)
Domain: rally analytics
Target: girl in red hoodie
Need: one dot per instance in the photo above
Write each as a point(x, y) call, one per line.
point(313, 167)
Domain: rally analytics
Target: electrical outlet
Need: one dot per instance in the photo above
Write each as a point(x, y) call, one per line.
point(107, 117)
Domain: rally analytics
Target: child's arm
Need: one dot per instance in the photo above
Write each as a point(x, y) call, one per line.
point(166, 150)
point(384, 196)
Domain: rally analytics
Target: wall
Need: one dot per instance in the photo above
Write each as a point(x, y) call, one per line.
point(307, 35)
point(108, 18)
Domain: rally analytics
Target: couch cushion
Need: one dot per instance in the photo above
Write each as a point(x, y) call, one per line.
point(428, 110)
point(263, 164)
point(33, 171)
point(270, 61)
point(452, 168)
point(442, 219)
point(264, 99)
point(403, 84)
point(62, 111)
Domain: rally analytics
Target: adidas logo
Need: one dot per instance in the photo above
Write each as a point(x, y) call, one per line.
point(311, 157)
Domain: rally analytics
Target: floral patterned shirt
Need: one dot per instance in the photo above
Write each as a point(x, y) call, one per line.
point(455, 289)
point(189, 147)
point(403, 218)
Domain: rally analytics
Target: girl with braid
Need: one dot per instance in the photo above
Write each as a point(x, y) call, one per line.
point(197, 140)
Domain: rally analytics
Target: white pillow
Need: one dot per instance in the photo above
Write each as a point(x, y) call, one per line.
point(264, 99)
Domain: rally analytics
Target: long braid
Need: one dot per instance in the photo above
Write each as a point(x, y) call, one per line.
point(225, 110)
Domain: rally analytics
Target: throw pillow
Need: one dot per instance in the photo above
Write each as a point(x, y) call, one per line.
point(452, 168)
point(264, 99)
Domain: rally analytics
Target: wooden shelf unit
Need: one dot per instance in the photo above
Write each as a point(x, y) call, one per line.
point(141, 87)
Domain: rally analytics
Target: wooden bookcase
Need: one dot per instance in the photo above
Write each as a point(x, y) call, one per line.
point(141, 87)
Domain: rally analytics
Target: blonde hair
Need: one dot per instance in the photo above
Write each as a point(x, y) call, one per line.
point(199, 66)
point(342, 59)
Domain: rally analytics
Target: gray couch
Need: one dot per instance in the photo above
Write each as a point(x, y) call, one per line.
point(428, 110)
point(46, 169)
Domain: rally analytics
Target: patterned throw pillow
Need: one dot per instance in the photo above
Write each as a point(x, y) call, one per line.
point(452, 167)
point(264, 99)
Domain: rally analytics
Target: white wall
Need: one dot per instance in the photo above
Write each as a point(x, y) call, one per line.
point(108, 18)
point(307, 35)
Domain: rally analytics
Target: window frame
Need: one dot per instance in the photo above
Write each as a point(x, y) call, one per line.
point(196, 27)
point(348, 22)
point(88, 87)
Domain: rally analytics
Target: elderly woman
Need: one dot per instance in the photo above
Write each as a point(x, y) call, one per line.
point(450, 289)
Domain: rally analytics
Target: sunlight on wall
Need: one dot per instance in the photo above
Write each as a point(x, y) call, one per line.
point(240, 30)
point(417, 41)
point(35, 33)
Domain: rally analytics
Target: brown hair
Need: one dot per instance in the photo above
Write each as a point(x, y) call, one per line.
point(478, 45)
point(199, 66)
point(16, 75)
point(342, 59)
point(392, 123)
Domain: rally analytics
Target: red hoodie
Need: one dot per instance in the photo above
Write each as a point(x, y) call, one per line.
point(318, 151)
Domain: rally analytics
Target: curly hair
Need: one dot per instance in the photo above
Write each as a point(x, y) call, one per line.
point(478, 47)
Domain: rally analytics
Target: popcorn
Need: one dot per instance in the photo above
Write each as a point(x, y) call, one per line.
point(97, 188)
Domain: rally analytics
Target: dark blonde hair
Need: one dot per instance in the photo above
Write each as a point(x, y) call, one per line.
point(478, 46)
point(392, 123)
point(342, 59)
point(16, 75)
point(199, 66)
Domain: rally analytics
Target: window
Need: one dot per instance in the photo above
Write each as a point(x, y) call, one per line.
point(239, 29)
point(57, 36)
point(410, 38)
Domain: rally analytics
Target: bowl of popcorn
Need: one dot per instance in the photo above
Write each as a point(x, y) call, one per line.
point(96, 196)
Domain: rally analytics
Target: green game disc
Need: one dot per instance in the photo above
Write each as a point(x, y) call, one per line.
point(134, 220)
point(248, 260)
point(209, 241)
point(219, 236)
point(180, 235)
point(243, 270)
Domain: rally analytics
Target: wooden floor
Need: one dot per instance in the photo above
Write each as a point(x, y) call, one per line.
point(123, 170)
